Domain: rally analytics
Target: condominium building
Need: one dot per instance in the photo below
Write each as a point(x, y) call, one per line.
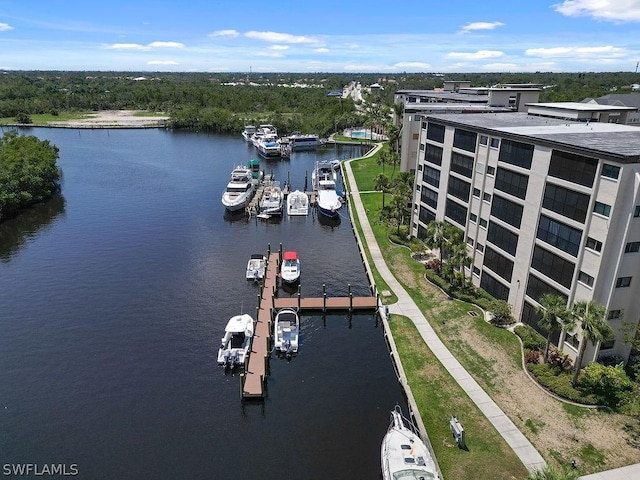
point(545, 204)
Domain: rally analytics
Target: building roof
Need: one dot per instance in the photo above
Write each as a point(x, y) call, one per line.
point(620, 142)
point(627, 99)
point(580, 106)
point(427, 108)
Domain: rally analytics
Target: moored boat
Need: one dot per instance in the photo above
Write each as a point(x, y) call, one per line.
point(248, 131)
point(240, 189)
point(286, 331)
point(323, 179)
point(272, 201)
point(290, 269)
point(304, 142)
point(297, 203)
point(235, 344)
point(256, 267)
point(404, 455)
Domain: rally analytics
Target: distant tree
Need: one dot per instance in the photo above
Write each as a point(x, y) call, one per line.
point(23, 118)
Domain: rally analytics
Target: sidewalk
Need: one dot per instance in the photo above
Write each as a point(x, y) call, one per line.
point(405, 306)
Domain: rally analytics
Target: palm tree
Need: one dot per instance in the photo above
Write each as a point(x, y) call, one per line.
point(590, 316)
point(460, 258)
point(555, 316)
point(436, 236)
point(399, 209)
point(382, 183)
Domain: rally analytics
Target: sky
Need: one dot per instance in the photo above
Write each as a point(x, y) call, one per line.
point(327, 36)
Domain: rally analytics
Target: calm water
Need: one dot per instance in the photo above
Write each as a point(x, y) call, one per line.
point(112, 302)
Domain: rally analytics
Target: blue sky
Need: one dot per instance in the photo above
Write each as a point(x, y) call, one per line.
point(327, 36)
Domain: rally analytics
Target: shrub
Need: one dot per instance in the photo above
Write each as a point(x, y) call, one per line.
point(559, 382)
point(559, 359)
point(433, 264)
point(531, 340)
point(532, 356)
point(501, 313)
point(610, 385)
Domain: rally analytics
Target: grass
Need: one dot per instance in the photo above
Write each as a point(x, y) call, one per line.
point(45, 118)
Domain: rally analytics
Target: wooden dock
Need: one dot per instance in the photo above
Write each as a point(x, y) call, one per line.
point(253, 381)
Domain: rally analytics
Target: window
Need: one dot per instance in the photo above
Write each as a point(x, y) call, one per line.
point(473, 218)
point(435, 132)
point(571, 204)
point(433, 154)
point(476, 271)
point(426, 216)
point(476, 192)
point(622, 282)
point(516, 153)
point(593, 244)
point(429, 197)
point(632, 247)
point(465, 140)
point(491, 170)
point(507, 211)
point(455, 212)
point(573, 168)
point(462, 164)
point(636, 212)
point(480, 247)
point(486, 197)
point(498, 263)
point(459, 189)
point(421, 147)
point(572, 340)
point(609, 343)
point(559, 235)
point(494, 287)
point(586, 279)
point(536, 288)
point(512, 182)
point(503, 238)
point(431, 176)
point(483, 223)
point(602, 209)
point(610, 171)
point(470, 241)
point(483, 139)
point(495, 142)
point(614, 314)
point(552, 266)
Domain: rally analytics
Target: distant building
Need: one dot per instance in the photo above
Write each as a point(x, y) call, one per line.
point(621, 100)
point(583, 112)
point(545, 204)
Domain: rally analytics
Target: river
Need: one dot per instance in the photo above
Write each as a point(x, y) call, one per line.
point(113, 299)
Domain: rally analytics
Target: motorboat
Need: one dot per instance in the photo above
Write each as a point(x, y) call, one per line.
point(404, 455)
point(323, 170)
point(335, 164)
point(328, 201)
point(247, 132)
point(286, 330)
point(270, 146)
point(262, 131)
point(297, 203)
point(272, 201)
point(240, 189)
point(304, 142)
point(290, 269)
point(256, 267)
point(235, 345)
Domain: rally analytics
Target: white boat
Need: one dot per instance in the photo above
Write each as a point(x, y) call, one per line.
point(256, 267)
point(328, 201)
point(403, 454)
point(269, 146)
point(322, 171)
point(290, 269)
point(272, 201)
point(236, 342)
point(240, 189)
point(262, 131)
point(304, 142)
point(286, 330)
point(248, 131)
point(297, 203)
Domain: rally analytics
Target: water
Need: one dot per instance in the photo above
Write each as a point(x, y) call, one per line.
point(113, 299)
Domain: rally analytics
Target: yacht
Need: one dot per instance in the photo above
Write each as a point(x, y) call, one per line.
point(240, 189)
point(290, 269)
point(297, 203)
point(404, 455)
point(304, 142)
point(324, 183)
point(235, 345)
point(286, 330)
point(248, 131)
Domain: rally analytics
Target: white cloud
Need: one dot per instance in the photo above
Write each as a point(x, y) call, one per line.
point(128, 46)
point(582, 52)
point(276, 37)
point(413, 65)
point(162, 62)
point(471, 27)
point(479, 55)
point(225, 33)
point(166, 45)
point(269, 54)
point(279, 47)
point(611, 10)
point(322, 50)
point(5, 27)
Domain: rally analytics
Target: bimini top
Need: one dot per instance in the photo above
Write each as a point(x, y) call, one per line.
point(290, 256)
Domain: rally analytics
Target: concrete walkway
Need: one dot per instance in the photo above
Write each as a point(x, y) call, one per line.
point(406, 306)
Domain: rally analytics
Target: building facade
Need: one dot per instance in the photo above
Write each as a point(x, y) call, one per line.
point(546, 205)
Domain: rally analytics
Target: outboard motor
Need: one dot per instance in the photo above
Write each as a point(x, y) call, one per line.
point(287, 348)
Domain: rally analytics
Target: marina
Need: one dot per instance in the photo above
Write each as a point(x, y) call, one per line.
point(114, 299)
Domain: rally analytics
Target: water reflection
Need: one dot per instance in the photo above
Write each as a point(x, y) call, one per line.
point(18, 230)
